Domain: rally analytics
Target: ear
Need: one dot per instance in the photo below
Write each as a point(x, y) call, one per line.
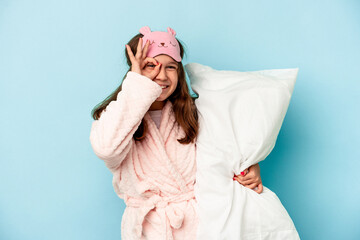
point(145, 30)
point(171, 31)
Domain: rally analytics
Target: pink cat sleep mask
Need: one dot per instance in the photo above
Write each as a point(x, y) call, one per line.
point(161, 43)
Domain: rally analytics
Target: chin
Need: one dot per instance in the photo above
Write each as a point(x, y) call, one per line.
point(161, 99)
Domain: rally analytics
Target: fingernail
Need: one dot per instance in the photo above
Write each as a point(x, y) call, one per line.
point(242, 173)
point(234, 179)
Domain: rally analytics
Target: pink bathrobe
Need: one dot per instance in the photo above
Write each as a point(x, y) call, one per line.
point(155, 176)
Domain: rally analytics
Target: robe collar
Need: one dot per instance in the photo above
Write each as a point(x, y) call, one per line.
point(167, 122)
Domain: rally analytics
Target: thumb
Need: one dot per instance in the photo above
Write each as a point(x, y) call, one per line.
point(260, 188)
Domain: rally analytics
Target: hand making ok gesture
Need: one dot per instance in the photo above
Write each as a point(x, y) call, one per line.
point(140, 61)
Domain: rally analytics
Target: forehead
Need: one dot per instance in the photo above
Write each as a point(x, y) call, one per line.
point(165, 59)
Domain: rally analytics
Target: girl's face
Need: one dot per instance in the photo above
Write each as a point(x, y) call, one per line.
point(167, 77)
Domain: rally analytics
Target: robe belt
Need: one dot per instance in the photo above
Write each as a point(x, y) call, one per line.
point(174, 215)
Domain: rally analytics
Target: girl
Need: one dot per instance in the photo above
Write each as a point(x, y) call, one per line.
point(145, 132)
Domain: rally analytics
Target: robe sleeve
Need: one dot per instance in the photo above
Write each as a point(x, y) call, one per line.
point(111, 135)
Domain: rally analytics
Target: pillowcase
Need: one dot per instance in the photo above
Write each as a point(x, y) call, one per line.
point(240, 117)
point(242, 111)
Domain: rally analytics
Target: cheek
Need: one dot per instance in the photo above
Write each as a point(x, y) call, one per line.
point(173, 87)
point(175, 82)
point(146, 73)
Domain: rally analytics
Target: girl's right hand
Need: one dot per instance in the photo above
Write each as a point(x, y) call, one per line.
point(140, 61)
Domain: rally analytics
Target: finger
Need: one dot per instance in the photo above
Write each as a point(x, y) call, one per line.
point(239, 181)
point(134, 65)
point(139, 49)
point(246, 177)
point(252, 186)
point(243, 173)
point(150, 60)
point(260, 188)
point(145, 50)
point(156, 71)
point(247, 182)
point(130, 53)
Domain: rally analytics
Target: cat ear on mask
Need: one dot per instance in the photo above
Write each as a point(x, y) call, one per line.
point(145, 30)
point(171, 31)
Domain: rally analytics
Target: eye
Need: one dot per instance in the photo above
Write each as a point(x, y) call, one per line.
point(172, 67)
point(150, 65)
point(173, 44)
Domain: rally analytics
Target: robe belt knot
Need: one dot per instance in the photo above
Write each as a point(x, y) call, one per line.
point(173, 214)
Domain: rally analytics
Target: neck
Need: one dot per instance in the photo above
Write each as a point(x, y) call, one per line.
point(157, 105)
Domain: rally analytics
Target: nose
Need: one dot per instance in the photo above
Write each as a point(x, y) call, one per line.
point(162, 44)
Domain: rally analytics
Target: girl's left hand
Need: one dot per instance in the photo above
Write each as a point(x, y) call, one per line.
point(251, 178)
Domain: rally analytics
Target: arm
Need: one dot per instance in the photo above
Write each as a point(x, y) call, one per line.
point(111, 135)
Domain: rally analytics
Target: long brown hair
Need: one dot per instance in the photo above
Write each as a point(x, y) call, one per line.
point(186, 113)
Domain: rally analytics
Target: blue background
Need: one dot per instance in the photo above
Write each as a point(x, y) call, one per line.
point(58, 59)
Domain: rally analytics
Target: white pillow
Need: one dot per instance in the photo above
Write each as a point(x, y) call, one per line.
point(244, 110)
point(241, 114)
